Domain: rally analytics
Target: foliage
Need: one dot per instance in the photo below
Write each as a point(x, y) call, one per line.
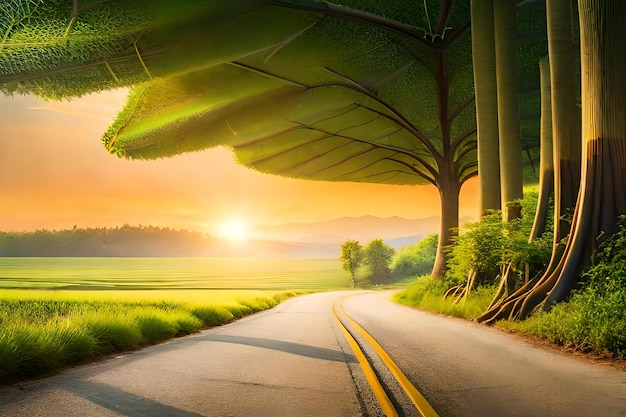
point(351, 257)
point(488, 246)
point(427, 294)
point(417, 259)
point(45, 332)
point(594, 319)
point(377, 258)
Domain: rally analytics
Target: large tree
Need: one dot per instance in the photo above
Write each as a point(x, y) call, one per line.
point(367, 91)
point(602, 194)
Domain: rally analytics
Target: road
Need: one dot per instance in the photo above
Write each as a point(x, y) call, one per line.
point(294, 360)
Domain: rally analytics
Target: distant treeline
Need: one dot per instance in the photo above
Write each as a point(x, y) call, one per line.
point(131, 241)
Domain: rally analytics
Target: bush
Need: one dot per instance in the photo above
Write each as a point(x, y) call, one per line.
point(417, 259)
point(490, 245)
point(377, 258)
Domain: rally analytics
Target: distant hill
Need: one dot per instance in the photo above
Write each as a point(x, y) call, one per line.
point(363, 229)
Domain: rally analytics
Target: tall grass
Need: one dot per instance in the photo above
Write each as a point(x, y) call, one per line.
point(45, 331)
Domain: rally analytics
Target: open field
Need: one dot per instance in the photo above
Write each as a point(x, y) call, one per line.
point(172, 273)
point(56, 312)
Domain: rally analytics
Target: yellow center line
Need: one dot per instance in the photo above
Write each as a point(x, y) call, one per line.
point(416, 397)
point(370, 375)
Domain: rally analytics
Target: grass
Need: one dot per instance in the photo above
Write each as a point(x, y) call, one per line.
point(426, 294)
point(63, 311)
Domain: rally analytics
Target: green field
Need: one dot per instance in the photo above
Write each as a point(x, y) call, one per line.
point(172, 273)
point(56, 312)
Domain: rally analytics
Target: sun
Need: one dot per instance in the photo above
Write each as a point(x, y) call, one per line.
point(235, 230)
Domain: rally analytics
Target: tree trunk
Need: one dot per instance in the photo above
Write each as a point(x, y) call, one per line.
point(602, 196)
point(546, 164)
point(565, 122)
point(505, 26)
point(449, 188)
point(486, 99)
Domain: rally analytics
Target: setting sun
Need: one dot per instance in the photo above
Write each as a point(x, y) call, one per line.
point(233, 229)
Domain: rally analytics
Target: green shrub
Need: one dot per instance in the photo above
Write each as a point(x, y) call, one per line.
point(417, 259)
point(486, 247)
point(377, 258)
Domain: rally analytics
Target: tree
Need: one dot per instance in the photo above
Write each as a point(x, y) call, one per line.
point(504, 13)
point(351, 257)
point(377, 257)
point(391, 107)
point(484, 63)
point(602, 196)
point(546, 163)
point(391, 102)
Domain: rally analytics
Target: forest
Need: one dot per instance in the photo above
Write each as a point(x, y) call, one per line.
point(124, 241)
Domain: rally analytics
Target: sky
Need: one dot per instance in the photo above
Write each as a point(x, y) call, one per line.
point(55, 174)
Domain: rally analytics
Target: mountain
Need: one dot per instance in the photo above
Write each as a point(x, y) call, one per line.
point(398, 230)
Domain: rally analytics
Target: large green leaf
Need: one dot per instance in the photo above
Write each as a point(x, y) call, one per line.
point(342, 95)
point(388, 82)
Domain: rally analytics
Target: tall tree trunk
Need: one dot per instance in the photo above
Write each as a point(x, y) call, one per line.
point(486, 99)
point(565, 121)
point(602, 196)
point(546, 163)
point(505, 26)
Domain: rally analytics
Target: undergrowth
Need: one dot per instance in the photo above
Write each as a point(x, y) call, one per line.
point(594, 319)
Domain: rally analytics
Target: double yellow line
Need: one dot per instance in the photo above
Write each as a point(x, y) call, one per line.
point(422, 406)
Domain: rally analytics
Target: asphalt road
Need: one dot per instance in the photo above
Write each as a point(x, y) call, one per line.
point(293, 360)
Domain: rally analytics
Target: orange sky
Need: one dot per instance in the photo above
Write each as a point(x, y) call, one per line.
point(55, 174)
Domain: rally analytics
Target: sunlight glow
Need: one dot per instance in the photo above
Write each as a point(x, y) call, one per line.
point(233, 229)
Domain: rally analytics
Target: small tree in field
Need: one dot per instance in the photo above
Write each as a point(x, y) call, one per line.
point(378, 257)
point(351, 257)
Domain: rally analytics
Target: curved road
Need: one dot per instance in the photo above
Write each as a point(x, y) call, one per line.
point(294, 360)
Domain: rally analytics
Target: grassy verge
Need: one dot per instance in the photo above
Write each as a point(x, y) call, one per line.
point(43, 331)
point(427, 294)
point(592, 321)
